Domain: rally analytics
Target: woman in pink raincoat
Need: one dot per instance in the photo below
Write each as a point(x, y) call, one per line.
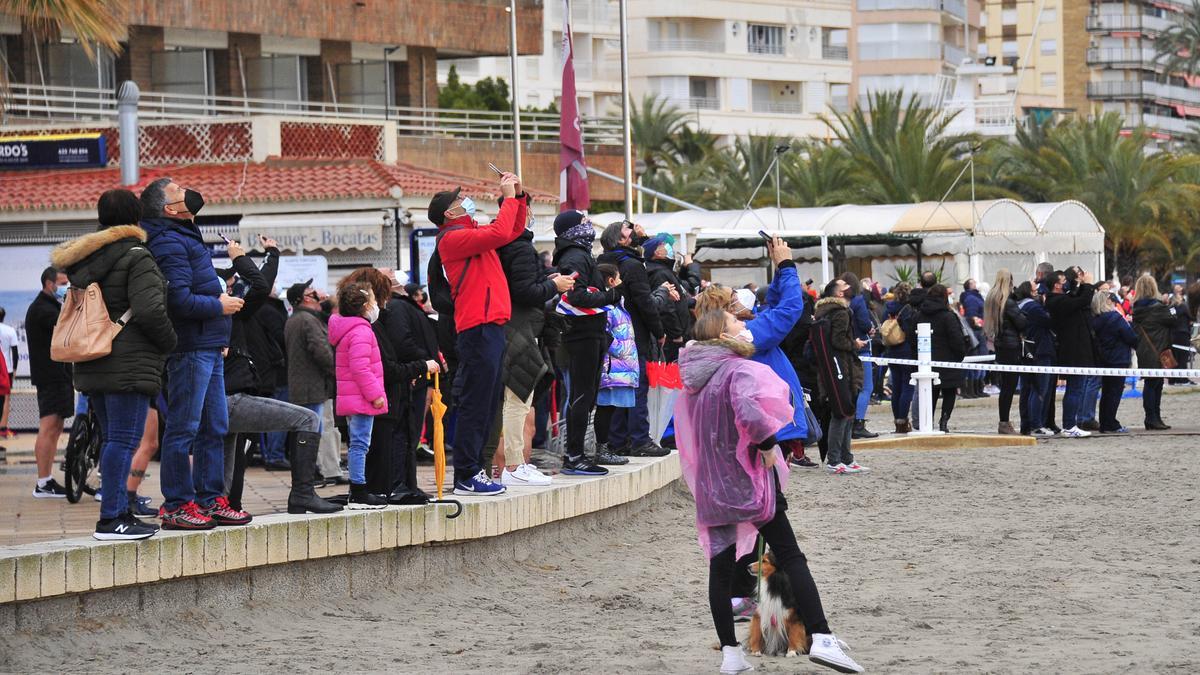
point(725, 423)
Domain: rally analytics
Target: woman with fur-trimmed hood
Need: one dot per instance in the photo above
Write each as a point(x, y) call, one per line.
point(121, 384)
point(725, 425)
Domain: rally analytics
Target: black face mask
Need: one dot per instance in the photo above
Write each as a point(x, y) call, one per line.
point(193, 200)
point(327, 306)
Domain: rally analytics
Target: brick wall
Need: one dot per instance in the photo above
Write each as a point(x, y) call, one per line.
point(134, 62)
point(407, 76)
point(228, 76)
point(333, 53)
point(540, 161)
point(1074, 45)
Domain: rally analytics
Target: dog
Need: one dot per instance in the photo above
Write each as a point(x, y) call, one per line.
point(776, 628)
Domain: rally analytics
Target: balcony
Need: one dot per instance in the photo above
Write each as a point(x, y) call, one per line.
point(772, 49)
point(1121, 57)
point(778, 107)
point(1173, 125)
point(956, 8)
point(883, 51)
point(1160, 92)
point(597, 12)
point(835, 52)
point(953, 55)
point(1108, 23)
point(692, 102)
point(686, 45)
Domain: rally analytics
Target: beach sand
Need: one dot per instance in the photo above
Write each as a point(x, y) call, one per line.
point(1070, 556)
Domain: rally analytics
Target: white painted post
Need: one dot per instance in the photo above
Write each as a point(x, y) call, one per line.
point(924, 378)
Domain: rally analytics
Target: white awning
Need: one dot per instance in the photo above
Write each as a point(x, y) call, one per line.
point(299, 232)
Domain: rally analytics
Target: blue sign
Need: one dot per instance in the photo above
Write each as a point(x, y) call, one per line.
point(58, 151)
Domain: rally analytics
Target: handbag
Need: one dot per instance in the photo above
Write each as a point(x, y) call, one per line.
point(892, 332)
point(84, 332)
point(1166, 357)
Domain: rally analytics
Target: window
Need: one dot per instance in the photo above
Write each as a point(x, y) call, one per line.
point(1008, 17)
point(1049, 80)
point(67, 65)
point(839, 95)
point(1008, 48)
point(182, 71)
point(278, 78)
point(361, 83)
point(833, 44)
point(1049, 15)
point(761, 39)
point(1049, 47)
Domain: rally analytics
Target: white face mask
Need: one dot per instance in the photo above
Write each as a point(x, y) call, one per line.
point(743, 335)
point(372, 314)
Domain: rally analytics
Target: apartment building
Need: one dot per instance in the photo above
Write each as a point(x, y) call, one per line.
point(912, 45)
point(1089, 58)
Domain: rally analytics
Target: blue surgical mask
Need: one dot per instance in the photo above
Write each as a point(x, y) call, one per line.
point(60, 292)
point(468, 205)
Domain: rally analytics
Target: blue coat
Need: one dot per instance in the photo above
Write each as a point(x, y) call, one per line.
point(861, 318)
point(892, 310)
point(1114, 339)
point(1037, 328)
point(972, 304)
point(785, 304)
point(192, 285)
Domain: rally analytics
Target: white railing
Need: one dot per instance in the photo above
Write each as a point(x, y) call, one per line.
point(1175, 125)
point(956, 7)
point(694, 102)
point(1130, 22)
point(75, 104)
point(582, 11)
point(953, 55)
point(880, 51)
point(835, 52)
point(778, 107)
point(1118, 55)
point(771, 48)
point(686, 45)
point(988, 118)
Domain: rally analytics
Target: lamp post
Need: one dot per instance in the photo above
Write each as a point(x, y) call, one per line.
point(626, 136)
point(512, 57)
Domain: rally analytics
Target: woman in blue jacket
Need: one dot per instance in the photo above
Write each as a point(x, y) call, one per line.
point(898, 308)
point(1115, 341)
point(1038, 349)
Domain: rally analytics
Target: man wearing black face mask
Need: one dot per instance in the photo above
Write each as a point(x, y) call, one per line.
point(197, 417)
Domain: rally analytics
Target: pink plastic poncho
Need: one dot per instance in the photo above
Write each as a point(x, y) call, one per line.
point(729, 403)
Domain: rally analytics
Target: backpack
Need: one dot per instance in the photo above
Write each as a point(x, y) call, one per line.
point(84, 332)
point(892, 331)
point(441, 294)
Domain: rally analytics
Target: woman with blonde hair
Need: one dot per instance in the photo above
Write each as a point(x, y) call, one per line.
point(1003, 323)
point(1152, 321)
point(1114, 342)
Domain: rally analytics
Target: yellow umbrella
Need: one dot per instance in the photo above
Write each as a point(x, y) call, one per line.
point(438, 408)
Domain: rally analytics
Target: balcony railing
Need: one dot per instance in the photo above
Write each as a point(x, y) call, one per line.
point(835, 52)
point(772, 48)
point(989, 118)
point(957, 8)
point(778, 107)
point(880, 51)
point(839, 103)
point(35, 102)
point(1174, 125)
point(1155, 91)
point(686, 45)
point(1107, 23)
point(1118, 56)
point(953, 55)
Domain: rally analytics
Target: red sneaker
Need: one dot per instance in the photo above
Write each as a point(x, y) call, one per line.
point(224, 514)
point(187, 517)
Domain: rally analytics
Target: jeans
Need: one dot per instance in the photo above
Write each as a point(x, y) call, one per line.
point(250, 414)
point(360, 443)
point(840, 429)
point(1073, 401)
point(477, 391)
point(1035, 397)
point(1111, 388)
point(587, 356)
point(197, 420)
point(122, 417)
point(631, 426)
point(274, 444)
point(1152, 398)
point(779, 536)
point(902, 390)
point(1091, 394)
point(864, 396)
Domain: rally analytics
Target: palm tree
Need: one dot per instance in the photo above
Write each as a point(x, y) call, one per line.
point(654, 126)
point(900, 152)
point(91, 21)
point(817, 174)
point(1179, 46)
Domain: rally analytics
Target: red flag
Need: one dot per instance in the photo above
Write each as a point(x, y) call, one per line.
point(572, 178)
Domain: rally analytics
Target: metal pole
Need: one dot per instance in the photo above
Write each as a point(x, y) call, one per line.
point(654, 193)
point(127, 116)
point(387, 98)
point(924, 378)
point(516, 110)
point(778, 210)
point(626, 136)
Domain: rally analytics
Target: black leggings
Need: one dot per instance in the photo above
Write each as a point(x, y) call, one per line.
point(789, 558)
point(602, 423)
point(1008, 381)
point(587, 357)
point(948, 395)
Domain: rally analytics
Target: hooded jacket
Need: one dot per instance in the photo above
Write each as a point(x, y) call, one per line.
point(267, 345)
point(635, 289)
point(841, 340)
point(947, 339)
point(473, 270)
point(309, 358)
point(770, 327)
point(40, 319)
point(570, 258)
point(1115, 339)
point(244, 371)
point(1012, 325)
point(620, 367)
point(359, 366)
point(1070, 317)
point(524, 361)
point(193, 290)
point(1039, 337)
point(117, 259)
point(676, 319)
point(1152, 321)
point(398, 372)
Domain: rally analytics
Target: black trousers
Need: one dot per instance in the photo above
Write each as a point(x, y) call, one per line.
point(1008, 381)
point(1111, 387)
point(1152, 389)
point(779, 536)
point(586, 358)
point(603, 422)
point(382, 456)
point(948, 395)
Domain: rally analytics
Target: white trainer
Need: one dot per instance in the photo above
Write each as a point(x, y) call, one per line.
point(836, 469)
point(525, 474)
point(733, 660)
point(855, 467)
point(1076, 432)
point(1043, 433)
point(830, 652)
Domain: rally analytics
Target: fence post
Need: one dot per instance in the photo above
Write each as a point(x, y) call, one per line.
point(924, 378)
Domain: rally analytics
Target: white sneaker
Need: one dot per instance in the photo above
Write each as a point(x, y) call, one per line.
point(836, 469)
point(525, 474)
point(830, 652)
point(991, 390)
point(1043, 433)
point(855, 467)
point(1076, 432)
point(733, 660)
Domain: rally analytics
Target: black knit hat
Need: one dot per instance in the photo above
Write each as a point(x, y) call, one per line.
point(566, 220)
point(440, 203)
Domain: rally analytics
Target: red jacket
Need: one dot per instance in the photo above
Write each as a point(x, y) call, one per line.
point(482, 295)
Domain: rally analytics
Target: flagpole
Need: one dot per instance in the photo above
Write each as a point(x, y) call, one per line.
point(516, 110)
point(626, 136)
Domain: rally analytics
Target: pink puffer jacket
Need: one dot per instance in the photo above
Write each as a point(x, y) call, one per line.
point(359, 367)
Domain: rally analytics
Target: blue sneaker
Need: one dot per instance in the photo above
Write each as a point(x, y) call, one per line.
point(480, 485)
point(140, 506)
point(582, 466)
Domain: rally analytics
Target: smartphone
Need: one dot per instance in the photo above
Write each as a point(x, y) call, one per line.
point(766, 236)
point(493, 168)
point(222, 235)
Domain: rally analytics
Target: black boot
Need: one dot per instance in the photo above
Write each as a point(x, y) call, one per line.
point(944, 424)
point(860, 430)
point(302, 498)
point(362, 499)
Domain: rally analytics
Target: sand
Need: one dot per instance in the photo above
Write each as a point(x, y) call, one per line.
point(1071, 556)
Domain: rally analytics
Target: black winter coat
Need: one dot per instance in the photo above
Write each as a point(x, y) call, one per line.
point(948, 341)
point(118, 260)
point(398, 373)
point(1152, 321)
point(243, 372)
point(525, 361)
point(570, 258)
point(676, 318)
point(1012, 325)
point(407, 320)
point(267, 345)
point(39, 328)
point(794, 347)
point(635, 288)
point(842, 342)
point(1071, 320)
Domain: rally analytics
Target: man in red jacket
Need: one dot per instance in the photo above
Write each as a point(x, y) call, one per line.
point(481, 308)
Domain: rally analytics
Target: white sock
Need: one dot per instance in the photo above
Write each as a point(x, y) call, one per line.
point(42, 481)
